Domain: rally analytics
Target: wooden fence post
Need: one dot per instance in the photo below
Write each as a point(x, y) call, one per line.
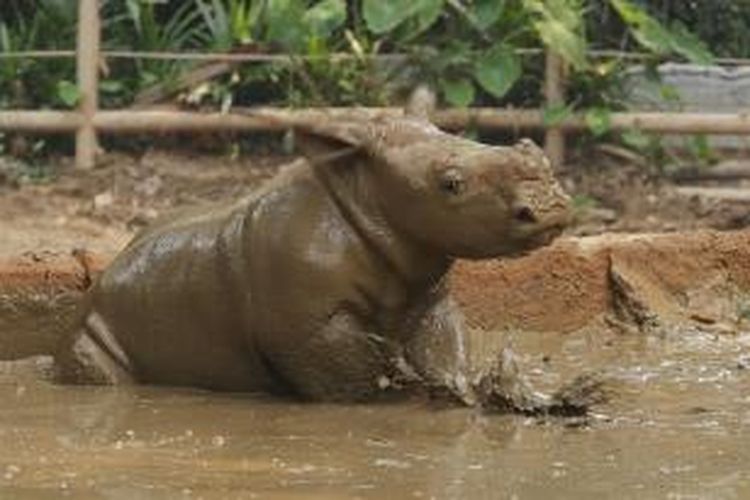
point(89, 34)
point(554, 94)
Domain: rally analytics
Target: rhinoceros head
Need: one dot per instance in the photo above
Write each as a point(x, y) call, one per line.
point(460, 197)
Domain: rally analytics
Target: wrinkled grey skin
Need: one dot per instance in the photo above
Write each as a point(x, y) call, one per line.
point(328, 283)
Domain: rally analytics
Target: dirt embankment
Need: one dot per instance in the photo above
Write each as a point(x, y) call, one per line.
point(639, 281)
point(623, 282)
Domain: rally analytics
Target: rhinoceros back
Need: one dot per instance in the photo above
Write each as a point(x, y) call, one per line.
point(176, 303)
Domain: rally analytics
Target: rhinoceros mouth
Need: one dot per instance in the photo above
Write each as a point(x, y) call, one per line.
point(536, 240)
point(513, 246)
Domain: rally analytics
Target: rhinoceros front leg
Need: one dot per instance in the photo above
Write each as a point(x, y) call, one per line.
point(479, 369)
point(438, 352)
point(475, 367)
point(341, 361)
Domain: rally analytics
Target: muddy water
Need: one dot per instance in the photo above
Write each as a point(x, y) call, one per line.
point(675, 428)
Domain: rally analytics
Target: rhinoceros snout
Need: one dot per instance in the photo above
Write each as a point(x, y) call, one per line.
point(524, 214)
point(539, 224)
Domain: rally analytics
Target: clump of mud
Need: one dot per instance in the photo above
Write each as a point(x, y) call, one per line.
point(503, 388)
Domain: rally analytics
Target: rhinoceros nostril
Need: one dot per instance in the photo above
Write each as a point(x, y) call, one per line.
point(524, 214)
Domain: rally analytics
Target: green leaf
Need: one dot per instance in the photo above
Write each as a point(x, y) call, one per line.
point(669, 93)
point(5, 43)
point(458, 92)
point(568, 13)
point(284, 22)
point(68, 93)
point(700, 148)
point(111, 86)
point(689, 46)
point(415, 18)
point(325, 17)
point(556, 114)
point(383, 16)
point(559, 24)
point(497, 70)
point(316, 46)
point(485, 13)
point(598, 120)
point(636, 139)
point(243, 18)
point(428, 13)
point(564, 42)
point(652, 35)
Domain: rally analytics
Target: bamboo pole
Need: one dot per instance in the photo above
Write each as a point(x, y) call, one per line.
point(487, 118)
point(39, 54)
point(89, 34)
point(336, 56)
point(128, 121)
point(554, 139)
point(40, 121)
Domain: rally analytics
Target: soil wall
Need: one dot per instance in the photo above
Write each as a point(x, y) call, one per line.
point(627, 282)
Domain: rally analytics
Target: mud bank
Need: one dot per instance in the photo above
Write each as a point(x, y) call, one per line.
point(38, 296)
point(615, 281)
point(622, 283)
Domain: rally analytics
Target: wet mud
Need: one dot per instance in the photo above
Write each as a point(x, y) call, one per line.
point(674, 430)
point(660, 321)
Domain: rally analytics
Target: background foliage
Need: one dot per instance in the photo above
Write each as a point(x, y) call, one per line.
point(466, 49)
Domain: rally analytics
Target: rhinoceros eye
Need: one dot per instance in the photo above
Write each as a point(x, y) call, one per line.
point(452, 182)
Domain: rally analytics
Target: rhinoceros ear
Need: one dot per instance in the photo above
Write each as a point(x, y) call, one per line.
point(313, 145)
point(331, 139)
point(370, 133)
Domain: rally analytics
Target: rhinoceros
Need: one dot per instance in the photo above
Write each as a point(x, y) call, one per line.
point(329, 281)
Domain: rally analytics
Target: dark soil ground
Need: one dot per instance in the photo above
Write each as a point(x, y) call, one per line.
point(616, 195)
point(100, 209)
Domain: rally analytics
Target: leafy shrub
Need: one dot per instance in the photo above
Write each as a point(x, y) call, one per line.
point(467, 49)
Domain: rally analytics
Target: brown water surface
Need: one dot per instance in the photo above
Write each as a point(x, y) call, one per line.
point(675, 428)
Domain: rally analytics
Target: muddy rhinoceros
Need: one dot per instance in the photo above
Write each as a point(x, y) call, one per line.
point(328, 281)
